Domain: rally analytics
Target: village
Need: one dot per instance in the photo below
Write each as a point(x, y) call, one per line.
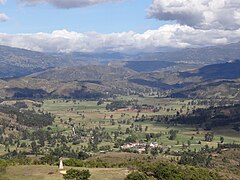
point(142, 147)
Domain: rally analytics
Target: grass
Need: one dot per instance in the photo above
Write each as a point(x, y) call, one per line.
point(51, 173)
point(95, 115)
point(90, 115)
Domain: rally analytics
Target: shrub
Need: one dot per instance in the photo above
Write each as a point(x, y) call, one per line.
point(74, 174)
point(136, 176)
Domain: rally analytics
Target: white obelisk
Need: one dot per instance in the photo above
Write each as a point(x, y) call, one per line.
point(74, 132)
point(61, 164)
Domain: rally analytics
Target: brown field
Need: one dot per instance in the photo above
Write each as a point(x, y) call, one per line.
point(52, 173)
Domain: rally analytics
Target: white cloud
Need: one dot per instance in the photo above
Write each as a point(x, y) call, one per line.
point(175, 36)
point(3, 17)
point(200, 14)
point(67, 3)
point(198, 23)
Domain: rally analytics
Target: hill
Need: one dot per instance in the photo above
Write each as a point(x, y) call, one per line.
point(16, 62)
point(211, 89)
point(213, 117)
point(206, 55)
point(211, 81)
point(214, 81)
point(90, 73)
point(229, 70)
point(148, 66)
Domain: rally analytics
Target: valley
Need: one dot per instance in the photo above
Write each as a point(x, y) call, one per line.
point(119, 90)
point(117, 116)
point(96, 132)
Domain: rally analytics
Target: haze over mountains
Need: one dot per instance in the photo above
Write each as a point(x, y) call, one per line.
point(184, 73)
point(19, 62)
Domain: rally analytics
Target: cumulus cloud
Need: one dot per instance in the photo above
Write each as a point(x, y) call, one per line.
point(3, 17)
point(67, 3)
point(198, 23)
point(200, 14)
point(175, 36)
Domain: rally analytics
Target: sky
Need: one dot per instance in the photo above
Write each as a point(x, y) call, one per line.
point(118, 25)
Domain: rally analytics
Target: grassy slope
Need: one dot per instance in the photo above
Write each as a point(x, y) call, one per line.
point(42, 173)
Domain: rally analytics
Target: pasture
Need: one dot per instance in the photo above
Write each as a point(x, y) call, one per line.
point(91, 115)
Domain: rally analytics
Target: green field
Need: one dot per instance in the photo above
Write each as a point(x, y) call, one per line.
point(88, 118)
point(97, 115)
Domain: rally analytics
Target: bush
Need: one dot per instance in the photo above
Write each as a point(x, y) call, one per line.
point(136, 176)
point(74, 174)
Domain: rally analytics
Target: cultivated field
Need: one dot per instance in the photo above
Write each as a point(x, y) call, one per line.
point(91, 115)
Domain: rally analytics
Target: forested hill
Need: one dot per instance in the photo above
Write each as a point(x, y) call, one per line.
point(229, 70)
point(26, 117)
point(213, 117)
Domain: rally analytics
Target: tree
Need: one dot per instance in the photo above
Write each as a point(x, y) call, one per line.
point(34, 147)
point(74, 174)
point(23, 145)
point(100, 102)
point(173, 134)
point(209, 137)
point(136, 176)
point(131, 139)
point(127, 131)
point(221, 139)
point(166, 171)
point(83, 155)
point(154, 152)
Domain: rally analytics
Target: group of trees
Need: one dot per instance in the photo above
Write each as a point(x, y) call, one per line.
point(196, 159)
point(117, 105)
point(75, 174)
point(28, 117)
point(211, 117)
point(163, 170)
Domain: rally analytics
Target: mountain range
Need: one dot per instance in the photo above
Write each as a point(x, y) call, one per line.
point(15, 62)
point(33, 74)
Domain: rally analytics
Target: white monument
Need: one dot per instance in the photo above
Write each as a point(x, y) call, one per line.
point(74, 132)
point(61, 164)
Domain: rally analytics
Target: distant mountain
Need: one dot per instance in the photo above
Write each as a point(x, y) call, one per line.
point(229, 89)
point(90, 73)
point(217, 80)
point(101, 57)
point(211, 81)
point(15, 62)
point(229, 70)
point(148, 66)
point(206, 55)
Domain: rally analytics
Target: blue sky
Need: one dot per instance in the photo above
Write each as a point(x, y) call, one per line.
point(103, 18)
